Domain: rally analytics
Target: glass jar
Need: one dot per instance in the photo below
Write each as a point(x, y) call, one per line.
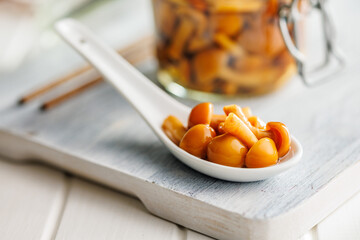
point(231, 47)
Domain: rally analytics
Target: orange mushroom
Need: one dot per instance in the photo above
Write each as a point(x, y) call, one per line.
point(196, 140)
point(274, 130)
point(229, 45)
point(237, 133)
point(262, 154)
point(216, 120)
point(278, 132)
point(201, 114)
point(250, 63)
point(227, 150)
point(200, 5)
point(247, 112)
point(228, 23)
point(281, 136)
point(233, 6)
point(197, 44)
point(259, 133)
point(208, 65)
point(235, 126)
point(257, 122)
point(199, 19)
point(174, 129)
point(180, 37)
point(220, 129)
point(239, 113)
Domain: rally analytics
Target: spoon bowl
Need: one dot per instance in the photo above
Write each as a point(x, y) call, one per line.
point(154, 105)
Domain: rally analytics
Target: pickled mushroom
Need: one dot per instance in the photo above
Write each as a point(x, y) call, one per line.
point(235, 139)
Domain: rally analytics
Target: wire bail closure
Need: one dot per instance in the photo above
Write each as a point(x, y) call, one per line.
point(334, 61)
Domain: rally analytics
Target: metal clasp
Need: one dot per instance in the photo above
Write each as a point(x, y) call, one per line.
point(334, 61)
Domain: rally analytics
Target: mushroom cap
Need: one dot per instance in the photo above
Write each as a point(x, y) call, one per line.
point(201, 114)
point(235, 126)
point(262, 154)
point(196, 140)
point(173, 128)
point(227, 150)
point(281, 136)
point(208, 64)
point(257, 122)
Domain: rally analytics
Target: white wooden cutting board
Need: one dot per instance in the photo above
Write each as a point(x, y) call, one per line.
point(99, 136)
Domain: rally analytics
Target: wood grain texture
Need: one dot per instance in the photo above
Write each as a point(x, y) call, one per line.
point(31, 201)
point(93, 212)
point(37, 202)
point(99, 136)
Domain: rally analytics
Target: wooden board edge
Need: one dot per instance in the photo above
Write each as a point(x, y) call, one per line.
point(186, 211)
point(312, 211)
point(162, 202)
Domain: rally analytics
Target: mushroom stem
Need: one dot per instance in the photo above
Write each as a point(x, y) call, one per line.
point(235, 126)
point(226, 43)
point(259, 133)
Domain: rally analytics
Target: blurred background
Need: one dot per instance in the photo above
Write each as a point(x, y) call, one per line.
point(27, 37)
point(33, 55)
point(26, 25)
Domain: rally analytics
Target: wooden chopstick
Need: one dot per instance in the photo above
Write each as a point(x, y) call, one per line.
point(142, 56)
point(145, 42)
point(52, 85)
point(56, 101)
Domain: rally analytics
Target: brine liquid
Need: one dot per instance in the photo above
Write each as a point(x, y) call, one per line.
point(231, 47)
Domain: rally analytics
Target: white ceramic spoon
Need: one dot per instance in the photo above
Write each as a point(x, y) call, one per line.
point(154, 105)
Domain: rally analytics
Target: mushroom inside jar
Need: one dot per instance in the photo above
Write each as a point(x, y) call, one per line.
point(231, 47)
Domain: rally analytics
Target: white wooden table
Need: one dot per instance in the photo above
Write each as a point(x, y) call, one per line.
point(38, 202)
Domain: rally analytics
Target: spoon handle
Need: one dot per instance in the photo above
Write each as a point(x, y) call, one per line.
point(150, 101)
